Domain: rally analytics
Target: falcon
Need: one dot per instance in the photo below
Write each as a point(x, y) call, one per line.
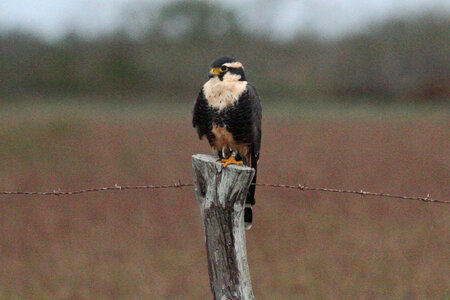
point(228, 113)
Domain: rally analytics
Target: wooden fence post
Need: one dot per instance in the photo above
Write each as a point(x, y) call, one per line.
point(221, 193)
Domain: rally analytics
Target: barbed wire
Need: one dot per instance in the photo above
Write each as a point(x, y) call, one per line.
point(116, 187)
point(179, 184)
point(360, 192)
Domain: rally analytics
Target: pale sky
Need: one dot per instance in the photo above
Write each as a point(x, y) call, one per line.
point(54, 18)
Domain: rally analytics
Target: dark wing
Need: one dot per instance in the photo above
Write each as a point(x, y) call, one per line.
point(256, 116)
point(202, 117)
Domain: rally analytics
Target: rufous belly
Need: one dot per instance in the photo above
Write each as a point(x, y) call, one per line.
point(224, 138)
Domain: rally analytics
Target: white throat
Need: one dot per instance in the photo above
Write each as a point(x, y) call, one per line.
point(222, 93)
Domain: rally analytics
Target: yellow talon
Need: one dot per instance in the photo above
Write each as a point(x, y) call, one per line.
point(230, 161)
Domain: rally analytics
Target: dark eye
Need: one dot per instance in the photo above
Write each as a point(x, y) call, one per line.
point(223, 68)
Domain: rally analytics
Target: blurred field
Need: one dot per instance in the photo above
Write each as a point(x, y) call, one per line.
point(150, 244)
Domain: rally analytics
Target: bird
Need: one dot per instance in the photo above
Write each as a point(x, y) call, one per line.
point(228, 112)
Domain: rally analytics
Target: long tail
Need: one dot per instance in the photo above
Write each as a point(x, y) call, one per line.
point(250, 201)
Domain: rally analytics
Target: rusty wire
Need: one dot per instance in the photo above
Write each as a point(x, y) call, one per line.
point(179, 184)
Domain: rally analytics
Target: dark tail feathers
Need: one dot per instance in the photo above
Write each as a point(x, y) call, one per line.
point(250, 201)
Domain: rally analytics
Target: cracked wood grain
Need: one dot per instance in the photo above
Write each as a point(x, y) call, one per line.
point(221, 194)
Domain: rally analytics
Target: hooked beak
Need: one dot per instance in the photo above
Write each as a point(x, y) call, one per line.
point(213, 72)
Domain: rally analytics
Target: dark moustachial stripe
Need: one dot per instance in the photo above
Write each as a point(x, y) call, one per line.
point(238, 71)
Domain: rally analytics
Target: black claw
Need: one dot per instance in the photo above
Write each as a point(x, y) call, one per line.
point(238, 157)
point(227, 153)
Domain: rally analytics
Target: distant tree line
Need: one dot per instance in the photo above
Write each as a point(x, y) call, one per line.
point(399, 60)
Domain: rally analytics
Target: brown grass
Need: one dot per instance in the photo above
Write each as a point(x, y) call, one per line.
point(150, 244)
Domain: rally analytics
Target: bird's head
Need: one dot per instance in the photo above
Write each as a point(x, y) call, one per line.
point(227, 69)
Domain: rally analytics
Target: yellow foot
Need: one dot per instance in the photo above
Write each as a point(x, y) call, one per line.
point(230, 161)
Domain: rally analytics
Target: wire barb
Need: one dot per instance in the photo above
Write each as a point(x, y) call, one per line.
point(360, 192)
point(179, 185)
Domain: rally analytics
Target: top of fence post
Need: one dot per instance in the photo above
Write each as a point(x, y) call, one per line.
point(221, 193)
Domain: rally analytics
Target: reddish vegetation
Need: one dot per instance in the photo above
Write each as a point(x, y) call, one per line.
point(150, 245)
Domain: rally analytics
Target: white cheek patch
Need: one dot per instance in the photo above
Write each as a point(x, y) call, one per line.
point(230, 77)
point(221, 94)
point(235, 64)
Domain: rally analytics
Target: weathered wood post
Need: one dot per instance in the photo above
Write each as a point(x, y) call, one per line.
point(221, 193)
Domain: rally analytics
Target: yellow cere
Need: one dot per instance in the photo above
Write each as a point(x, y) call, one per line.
point(215, 71)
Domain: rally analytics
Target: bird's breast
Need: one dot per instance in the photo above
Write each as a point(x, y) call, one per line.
point(221, 94)
point(223, 136)
point(225, 139)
